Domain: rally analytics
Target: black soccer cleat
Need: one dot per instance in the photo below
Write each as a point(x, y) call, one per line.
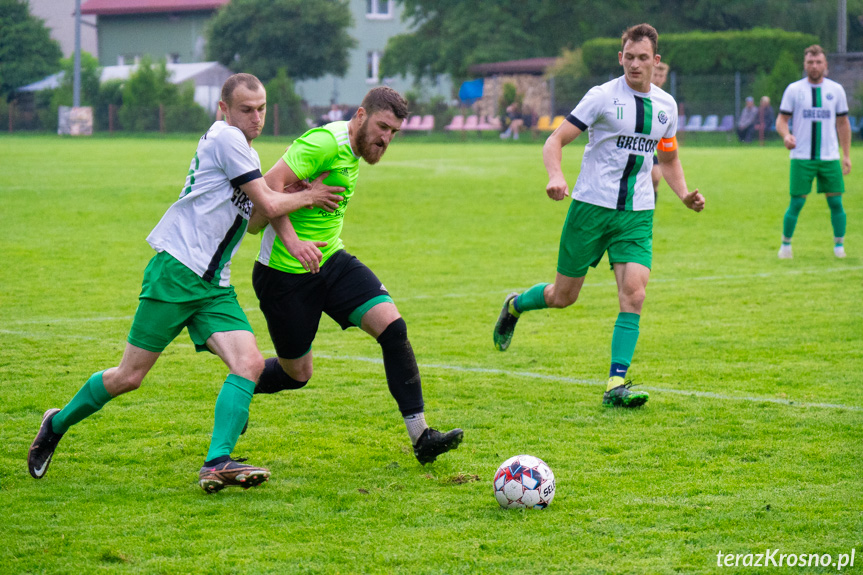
point(622, 396)
point(432, 443)
point(505, 325)
point(42, 449)
point(231, 472)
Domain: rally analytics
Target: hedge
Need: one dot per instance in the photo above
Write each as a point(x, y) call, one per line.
point(747, 51)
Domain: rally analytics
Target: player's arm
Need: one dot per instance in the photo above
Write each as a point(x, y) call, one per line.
point(308, 253)
point(269, 203)
point(672, 171)
point(843, 130)
point(552, 157)
point(782, 129)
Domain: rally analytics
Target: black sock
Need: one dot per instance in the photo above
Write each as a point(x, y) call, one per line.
point(274, 379)
point(400, 365)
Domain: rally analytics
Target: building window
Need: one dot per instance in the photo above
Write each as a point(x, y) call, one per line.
point(379, 9)
point(373, 61)
point(128, 59)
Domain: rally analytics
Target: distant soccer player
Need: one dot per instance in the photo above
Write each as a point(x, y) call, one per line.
point(295, 286)
point(660, 75)
point(187, 284)
point(612, 207)
point(819, 112)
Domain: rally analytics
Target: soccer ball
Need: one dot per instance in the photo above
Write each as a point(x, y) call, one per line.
point(524, 481)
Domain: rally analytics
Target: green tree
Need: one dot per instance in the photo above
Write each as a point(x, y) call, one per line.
point(91, 74)
point(308, 37)
point(148, 88)
point(448, 36)
point(280, 91)
point(787, 69)
point(27, 51)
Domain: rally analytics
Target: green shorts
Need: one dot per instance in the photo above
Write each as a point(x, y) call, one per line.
point(174, 297)
point(828, 172)
point(590, 231)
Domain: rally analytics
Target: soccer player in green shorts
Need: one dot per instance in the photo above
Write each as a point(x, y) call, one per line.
point(187, 284)
point(311, 273)
point(818, 109)
point(612, 207)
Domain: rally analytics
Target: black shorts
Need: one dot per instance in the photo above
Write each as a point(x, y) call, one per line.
point(293, 303)
point(655, 159)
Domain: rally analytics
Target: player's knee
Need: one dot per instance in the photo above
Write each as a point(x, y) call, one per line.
point(299, 371)
point(560, 299)
point(126, 381)
point(250, 366)
point(632, 297)
point(396, 331)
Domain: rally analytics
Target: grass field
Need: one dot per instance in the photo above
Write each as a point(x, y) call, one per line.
point(751, 439)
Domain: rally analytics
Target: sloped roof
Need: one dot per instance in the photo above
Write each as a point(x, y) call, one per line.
point(204, 74)
point(535, 66)
point(119, 7)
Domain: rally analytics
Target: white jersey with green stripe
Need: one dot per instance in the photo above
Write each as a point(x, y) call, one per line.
point(324, 149)
point(813, 109)
point(203, 229)
point(624, 128)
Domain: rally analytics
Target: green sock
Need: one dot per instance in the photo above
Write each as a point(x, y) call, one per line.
point(532, 299)
point(624, 338)
point(89, 399)
point(790, 221)
point(232, 413)
point(837, 215)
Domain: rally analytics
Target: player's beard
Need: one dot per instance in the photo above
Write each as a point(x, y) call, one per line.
point(818, 79)
point(369, 151)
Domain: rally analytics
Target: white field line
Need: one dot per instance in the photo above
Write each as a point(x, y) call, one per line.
point(594, 382)
point(491, 371)
point(720, 278)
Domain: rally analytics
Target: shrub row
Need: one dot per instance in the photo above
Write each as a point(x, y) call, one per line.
point(749, 51)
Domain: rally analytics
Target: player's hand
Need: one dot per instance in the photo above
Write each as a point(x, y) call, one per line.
point(846, 166)
point(694, 201)
point(557, 189)
point(790, 141)
point(324, 196)
point(308, 254)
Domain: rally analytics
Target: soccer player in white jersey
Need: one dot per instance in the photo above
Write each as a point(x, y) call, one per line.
point(818, 110)
point(612, 208)
point(187, 284)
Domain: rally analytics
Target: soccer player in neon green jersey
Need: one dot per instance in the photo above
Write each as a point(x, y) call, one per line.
point(612, 207)
point(819, 112)
point(311, 273)
point(187, 284)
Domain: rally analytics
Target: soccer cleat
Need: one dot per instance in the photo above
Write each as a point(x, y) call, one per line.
point(785, 252)
point(432, 443)
point(839, 251)
point(42, 449)
point(621, 396)
point(505, 325)
point(231, 472)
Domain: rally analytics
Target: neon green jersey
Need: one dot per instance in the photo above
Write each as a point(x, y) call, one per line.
point(324, 149)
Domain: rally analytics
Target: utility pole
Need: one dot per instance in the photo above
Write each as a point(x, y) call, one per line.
point(76, 84)
point(842, 27)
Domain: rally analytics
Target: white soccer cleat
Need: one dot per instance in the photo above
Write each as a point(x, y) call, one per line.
point(839, 251)
point(785, 252)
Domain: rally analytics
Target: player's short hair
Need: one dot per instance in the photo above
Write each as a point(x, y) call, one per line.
point(639, 32)
point(385, 98)
point(814, 50)
point(248, 80)
point(662, 67)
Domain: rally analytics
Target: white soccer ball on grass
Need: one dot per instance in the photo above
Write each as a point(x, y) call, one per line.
point(524, 481)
